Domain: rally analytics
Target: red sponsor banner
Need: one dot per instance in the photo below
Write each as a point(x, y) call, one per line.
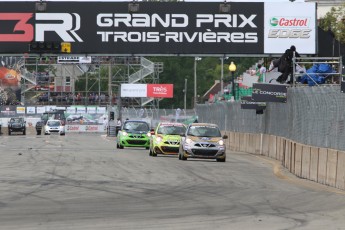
point(160, 90)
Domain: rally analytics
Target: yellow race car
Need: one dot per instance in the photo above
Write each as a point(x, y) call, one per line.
point(166, 138)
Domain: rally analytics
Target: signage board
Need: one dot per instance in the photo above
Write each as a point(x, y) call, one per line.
point(247, 102)
point(160, 90)
point(173, 28)
point(74, 59)
point(133, 90)
point(147, 90)
point(263, 92)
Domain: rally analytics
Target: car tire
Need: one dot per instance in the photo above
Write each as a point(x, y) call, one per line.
point(150, 153)
point(221, 160)
point(147, 147)
point(180, 154)
point(9, 133)
point(24, 132)
point(121, 147)
point(154, 154)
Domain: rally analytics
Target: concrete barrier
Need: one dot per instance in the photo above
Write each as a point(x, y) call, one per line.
point(314, 162)
point(237, 142)
point(298, 160)
point(340, 182)
point(272, 147)
point(265, 144)
point(331, 175)
point(322, 169)
point(305, 162)
point(258, 138)
point(324, 166)
point(242, 143)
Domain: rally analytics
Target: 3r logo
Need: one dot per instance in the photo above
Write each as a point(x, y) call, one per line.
point(65, 27)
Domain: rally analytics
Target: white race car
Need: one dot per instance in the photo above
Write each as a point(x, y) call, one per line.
point(54, 126)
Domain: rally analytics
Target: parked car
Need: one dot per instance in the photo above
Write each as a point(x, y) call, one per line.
point(166, 138)
point(54, 127)
point(17, 124)
point(203, 140)
point(133, 133)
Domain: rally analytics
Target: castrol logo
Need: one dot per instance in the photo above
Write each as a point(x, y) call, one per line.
point(289, 22)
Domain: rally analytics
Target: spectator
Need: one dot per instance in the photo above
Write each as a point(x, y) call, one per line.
point(118, 125)
point(261, 71)
point(285, 65)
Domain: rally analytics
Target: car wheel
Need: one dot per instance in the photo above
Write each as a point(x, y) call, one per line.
point(147, 147)
point(180, 154)
point(153, 153)
point(9, 133)
point(121, 146)
point(150, 153)
point(221, 160)
point(24, 132)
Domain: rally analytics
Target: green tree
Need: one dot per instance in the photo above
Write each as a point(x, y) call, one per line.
point(334, 21)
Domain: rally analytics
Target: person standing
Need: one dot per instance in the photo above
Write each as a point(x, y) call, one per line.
point(118, 125)
point(285, 66)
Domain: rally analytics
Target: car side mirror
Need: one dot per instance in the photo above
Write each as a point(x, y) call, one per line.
point(225, 136)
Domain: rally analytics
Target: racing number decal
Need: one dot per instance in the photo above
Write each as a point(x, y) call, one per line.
point(26, 30)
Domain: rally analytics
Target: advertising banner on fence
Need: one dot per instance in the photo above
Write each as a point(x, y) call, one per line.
point(84, 128)
point(159, 29)
point(147, 90)
point(247, 102)
point(263, 92)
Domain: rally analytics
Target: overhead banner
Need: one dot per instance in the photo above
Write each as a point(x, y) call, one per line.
point(147, 90)
point(263, 92)
point(152, 28)
point(290, 24)
point(247, 102)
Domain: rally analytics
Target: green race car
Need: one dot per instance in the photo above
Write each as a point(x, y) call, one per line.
point(166, 138)
point(133, 134)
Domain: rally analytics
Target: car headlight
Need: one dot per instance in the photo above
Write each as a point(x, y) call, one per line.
point(159, 139)
point(124, 133)
point(221, 142)
point(188, 141)
point(149, 134)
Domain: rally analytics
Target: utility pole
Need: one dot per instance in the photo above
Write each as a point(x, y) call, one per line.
point(185, 93)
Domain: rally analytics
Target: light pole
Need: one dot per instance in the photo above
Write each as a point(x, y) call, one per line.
point(195, 83)
point(185, 93)
point(232, 68)
point(221, 76)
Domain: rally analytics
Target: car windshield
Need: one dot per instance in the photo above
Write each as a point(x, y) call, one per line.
point(171, 130)
point(16, 120)
point(204, 131)
point(136, 126)
point(53, 123)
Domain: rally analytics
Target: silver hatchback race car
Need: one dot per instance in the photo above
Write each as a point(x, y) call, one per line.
point(203, 140)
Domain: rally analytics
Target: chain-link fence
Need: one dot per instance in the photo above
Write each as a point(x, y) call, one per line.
point(312, 115)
